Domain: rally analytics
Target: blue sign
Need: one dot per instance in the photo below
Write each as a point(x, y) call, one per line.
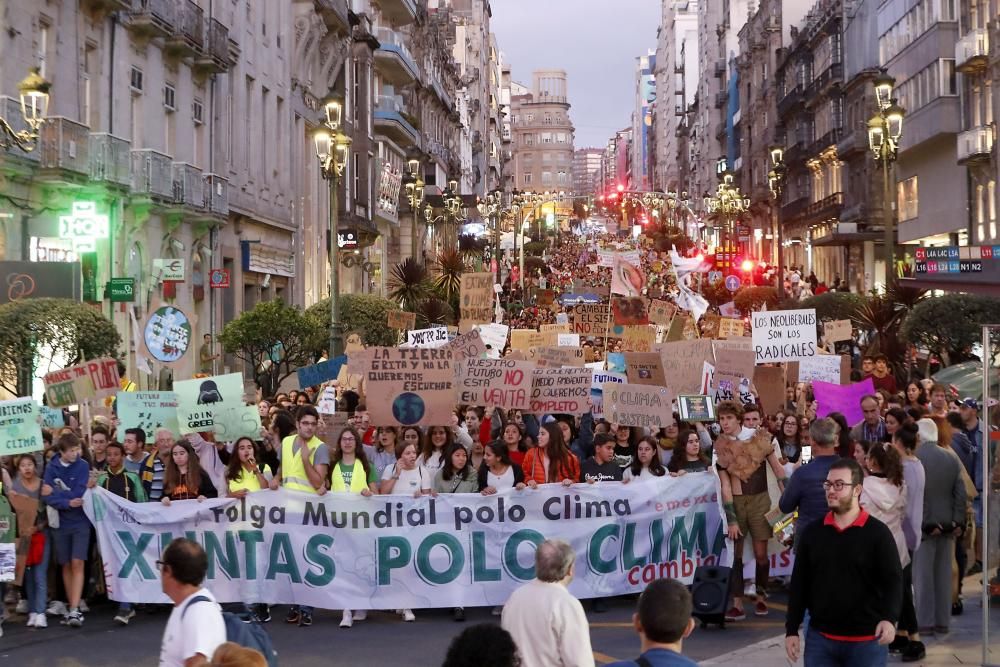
point(732, 283)
point(714, 277)
point(317, 374)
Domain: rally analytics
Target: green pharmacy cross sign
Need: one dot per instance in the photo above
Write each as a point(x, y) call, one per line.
point(84, 225)
point(120, 290)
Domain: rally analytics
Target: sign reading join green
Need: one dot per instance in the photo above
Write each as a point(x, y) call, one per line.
point(20, 427)
point(205, 403)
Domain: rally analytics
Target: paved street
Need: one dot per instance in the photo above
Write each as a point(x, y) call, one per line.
point(382, 639)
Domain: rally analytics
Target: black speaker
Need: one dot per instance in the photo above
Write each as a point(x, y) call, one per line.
point(710, 594)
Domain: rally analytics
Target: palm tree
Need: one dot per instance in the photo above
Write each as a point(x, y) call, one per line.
point(433, 312)
point(448, 279)
point(409, 284)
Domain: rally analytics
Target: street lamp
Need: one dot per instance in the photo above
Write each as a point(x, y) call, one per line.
point(776, 182)
point(885, 130)
point(34, 92)
point(332, 148)
point(727, 201)
point(415, 197)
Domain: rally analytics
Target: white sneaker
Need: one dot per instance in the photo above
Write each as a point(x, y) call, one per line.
point(57, 608)
point(750, 590)
point(84, 609)
point(32, 617)
point(41, 621)
point(22, 607)
point(408, 615)
point(347, 620)
point(360, 615)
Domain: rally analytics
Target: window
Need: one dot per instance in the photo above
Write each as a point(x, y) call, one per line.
point(43, 45)
point(546, 177)
point(198, 112)
point(546, 137)
point(357, 177)
point(357, 89)
point(87, 82)
point(169, 97)
point(907, 199)
point(529, 140)
point(135, 80)
point(529, 117)
point(527, 179)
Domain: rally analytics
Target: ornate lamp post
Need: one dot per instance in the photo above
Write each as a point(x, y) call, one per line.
point(728, 201)
point(885, 129)
point(415, 198)
point(776, 182)
point(332, 148)
point(34, 92)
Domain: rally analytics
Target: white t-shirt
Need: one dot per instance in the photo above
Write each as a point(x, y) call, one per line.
point(644, 475)
point(201, 630)
point(432, 464)
point(501, 482)
point(409, 482)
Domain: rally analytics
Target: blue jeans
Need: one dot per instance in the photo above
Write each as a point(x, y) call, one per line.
point(823, 652)
point(36, 584)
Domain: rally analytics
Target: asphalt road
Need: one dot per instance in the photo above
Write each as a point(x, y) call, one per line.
point(381, 639)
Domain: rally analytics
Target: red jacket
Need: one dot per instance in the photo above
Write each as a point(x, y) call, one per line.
point(534, 469)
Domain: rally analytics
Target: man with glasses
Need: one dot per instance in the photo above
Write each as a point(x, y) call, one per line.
point(847, 575)
point(303, 465)
point(195, 627)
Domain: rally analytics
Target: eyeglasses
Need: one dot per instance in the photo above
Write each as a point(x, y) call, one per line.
point(838, 485)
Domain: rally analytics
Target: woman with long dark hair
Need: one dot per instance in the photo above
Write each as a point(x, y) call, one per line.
point(687, 455)
point(647, 464)
point(626, 438)
point(439, 440)
point(183, 478)
point(498, 472)
point(350, 470)
point(456, 476)
point(242, 474)
point(894, 418)
point(788, 439)
point(845, 447)
point(513, 442)
point(904, 440)
point(883, 493)
point(382, 454)
point(551, 461)
point(916, 395)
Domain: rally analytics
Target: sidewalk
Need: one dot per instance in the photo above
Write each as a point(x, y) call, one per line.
point(962, 646)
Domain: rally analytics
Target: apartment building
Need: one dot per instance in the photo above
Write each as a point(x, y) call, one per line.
point(586, 163)
point(543, 134)
point(642, 119)
point(676, 75)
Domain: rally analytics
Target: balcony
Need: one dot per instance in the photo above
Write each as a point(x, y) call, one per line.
point(64, 147)
point(189, 185)
point(393, 121)
point(152, 18)
point(720, 131)
point(334, 14)
point(972, 51)
point(188, 38)
point(832, 75)
point(98, 6)
point(823, 210)
point(399, 12)
point(829, 139)
point(852, 143)
point(792, 98)
point(110, 159)
point(216, 57)
point(152, 174)
point(975, 145)
point(720, 68)
point(721, 98)
point(793, 208)
point(216, 194)
point(393, 59)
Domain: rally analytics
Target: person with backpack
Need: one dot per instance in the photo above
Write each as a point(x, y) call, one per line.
point(195, 627)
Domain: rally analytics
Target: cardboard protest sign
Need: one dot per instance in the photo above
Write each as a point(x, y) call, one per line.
point(730, 327)
point(645, 368)
point(20, 430)
point(560, 390)
point(317, 374)
point(476, 298)
point(327, 403)
point(401, 320)
point(415, 386)
point(821, 368)
point(556, 328)
point(568, 340)
point(468, 346)
point(639, 338)
point(544, 297)
point(837, 330)
point(357, 361)
point(845, 399)
point(433, 337)
point(556, 357)
point(736, 360)
point(329, 427)
point(629, 310)
point(525, 339)
point(683, 364)
point(784, 335)
point(710, 323)
point(661, 312)
point(95, 379)
point(605, 258)
point(201, 400)
point(51, 417)
point(597, 389)
point(637, 405)
point(148, 410)
point(239, 422)
point(627, 277)
point(497, 383)
point(590, 319)
point(770, 384)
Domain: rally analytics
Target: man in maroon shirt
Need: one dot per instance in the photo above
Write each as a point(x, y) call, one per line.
point(881, 377)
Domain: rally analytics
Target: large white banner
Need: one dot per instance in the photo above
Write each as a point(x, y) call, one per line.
point(390, 552)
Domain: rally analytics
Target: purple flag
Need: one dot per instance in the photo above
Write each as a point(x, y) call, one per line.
point(845, 399)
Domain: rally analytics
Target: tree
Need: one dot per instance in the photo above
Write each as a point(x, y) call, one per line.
point(273, 339)
point(42, 335)
point(409, 283)
point(364, 313)
point(752, 299)
point(833, 305)
point(950, 325)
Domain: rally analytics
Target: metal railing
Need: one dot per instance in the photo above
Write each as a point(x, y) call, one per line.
point(190, 23)
point(218, 41)
point(217, 194)
point(10, 110)
point(189, 185)
point(152, 174)
point(110, 159)
point(64, 144)
point(977, 141)
point(974, 45)
point(160, 12)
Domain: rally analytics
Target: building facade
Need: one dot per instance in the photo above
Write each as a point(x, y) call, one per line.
point(642, 119)
point(586, 163)
point(543, 134)
point(676, 78)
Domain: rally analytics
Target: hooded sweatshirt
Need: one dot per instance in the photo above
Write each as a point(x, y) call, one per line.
point(887, 502)
point(67, 482)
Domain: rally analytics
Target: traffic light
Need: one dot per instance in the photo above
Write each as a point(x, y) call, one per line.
point(747, 265)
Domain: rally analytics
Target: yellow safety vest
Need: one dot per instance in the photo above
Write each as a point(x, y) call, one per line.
point(359, 481)
point(293, 471)
point(246, 480)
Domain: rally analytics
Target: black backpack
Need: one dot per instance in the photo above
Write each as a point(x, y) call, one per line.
point(244, 631)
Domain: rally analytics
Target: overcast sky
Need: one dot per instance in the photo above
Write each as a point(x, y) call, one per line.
point(595, 41)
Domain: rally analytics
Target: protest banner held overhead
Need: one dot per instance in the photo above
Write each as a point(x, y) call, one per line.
point(415, 386)
point(783, 335)
point(469, 345)
point(433, 337)
point(95, 379)
point(494, 383)
point(683, 363)
point(845, 399)
point(202, 400)
point(629, 310)
point(476, 298)
point(401, 320)
point(20, 432)
point(560, 390)
point(638, 405)
point(590, 319)
point(310, 376)
point(149, 410)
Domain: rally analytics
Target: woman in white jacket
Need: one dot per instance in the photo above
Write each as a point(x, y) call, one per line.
point(883, 494)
